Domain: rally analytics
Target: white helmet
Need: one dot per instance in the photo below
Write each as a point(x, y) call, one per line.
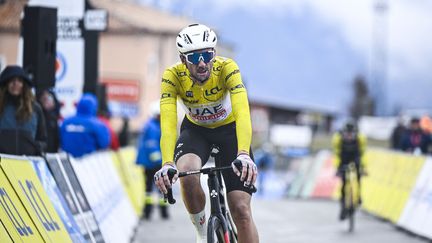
point(195, 37)
point(154, 108)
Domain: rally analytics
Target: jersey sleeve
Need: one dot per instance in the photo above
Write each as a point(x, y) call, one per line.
point(168, 108)
point(240, 105)
point(336, 144)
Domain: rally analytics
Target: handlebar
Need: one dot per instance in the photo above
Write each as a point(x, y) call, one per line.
point(171, 172)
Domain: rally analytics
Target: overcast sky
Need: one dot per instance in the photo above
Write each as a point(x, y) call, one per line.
point(308, 51)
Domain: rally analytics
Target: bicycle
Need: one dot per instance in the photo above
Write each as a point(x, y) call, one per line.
point(352, 193)
point(220, 227)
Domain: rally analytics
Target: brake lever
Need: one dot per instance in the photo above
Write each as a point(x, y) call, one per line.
point(169, 195)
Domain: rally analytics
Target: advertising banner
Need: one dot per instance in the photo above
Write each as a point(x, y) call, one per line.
point(75, 198)
point(122, 96)
point(69, 74)
point(131, 175)
point(326, 181)
point(391, 178)
point(57, 199)
point(26, 184)
point(13, 216)
point(417, 215)
point(4, 236)
point(106, 196)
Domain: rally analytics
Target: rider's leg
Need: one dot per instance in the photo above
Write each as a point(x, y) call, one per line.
point(239, 205)
point(193, 197)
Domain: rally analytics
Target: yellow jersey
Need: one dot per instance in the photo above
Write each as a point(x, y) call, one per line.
point(222, 99)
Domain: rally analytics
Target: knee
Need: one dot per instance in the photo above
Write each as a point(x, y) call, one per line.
point(241, 213)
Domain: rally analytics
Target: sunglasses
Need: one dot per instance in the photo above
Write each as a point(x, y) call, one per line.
point(195, 57)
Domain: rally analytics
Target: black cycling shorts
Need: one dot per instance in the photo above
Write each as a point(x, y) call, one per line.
point(200, 141)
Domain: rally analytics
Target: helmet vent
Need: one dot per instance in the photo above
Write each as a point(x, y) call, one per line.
point(205, 36)
point(187, 39)
point(179, 45)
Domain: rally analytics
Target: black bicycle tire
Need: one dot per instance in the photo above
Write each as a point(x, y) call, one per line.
point(351, 212)
point(215, 227)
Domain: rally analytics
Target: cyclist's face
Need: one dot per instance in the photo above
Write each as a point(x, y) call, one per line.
point(201, 70)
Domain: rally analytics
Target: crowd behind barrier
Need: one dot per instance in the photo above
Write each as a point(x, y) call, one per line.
point(56, 198)
point(398, 187)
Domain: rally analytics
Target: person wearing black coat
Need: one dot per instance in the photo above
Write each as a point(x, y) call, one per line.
point(22, 124)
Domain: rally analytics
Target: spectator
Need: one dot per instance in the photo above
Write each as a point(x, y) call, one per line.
point(22, 125)
point(124, 133)
point(415, 140)
point(397, 134)
point(149, 156)
point(264, 161)
point(51, 111)
point(104, 117)
point(84, 133)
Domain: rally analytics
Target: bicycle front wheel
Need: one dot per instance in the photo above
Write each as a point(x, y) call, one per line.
point(217, 231)
point(351, 211)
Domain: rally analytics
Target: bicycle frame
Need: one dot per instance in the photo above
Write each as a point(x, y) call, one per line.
point(351, 193)
point(218, 209)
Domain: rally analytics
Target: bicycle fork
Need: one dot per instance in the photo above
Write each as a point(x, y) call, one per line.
point(215, 205)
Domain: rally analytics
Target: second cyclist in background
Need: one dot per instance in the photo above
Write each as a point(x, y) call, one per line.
point(217, 113)
point(349, 146)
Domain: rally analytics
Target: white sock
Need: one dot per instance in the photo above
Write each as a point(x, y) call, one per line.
point(200, 222)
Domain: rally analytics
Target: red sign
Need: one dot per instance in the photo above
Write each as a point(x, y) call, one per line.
point(122, 90)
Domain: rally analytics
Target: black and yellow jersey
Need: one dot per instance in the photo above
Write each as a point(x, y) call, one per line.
point(222, 99)
point(342, 148)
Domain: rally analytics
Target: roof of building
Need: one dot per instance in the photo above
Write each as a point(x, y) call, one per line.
point(125, 17)
point(10, 12)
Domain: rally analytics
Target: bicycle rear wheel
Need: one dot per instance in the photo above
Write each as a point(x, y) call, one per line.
point(217, 231)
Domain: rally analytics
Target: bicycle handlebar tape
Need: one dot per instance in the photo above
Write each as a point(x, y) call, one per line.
point(169, 196)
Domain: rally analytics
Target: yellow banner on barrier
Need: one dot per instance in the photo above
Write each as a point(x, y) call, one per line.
point(26, 183)
point(391, 178)
point(4, 236)
point(13, 217)
point(131, 176)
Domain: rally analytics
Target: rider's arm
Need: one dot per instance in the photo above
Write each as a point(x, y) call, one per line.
point(336, 144)
point(168, 106)
point(240, 105)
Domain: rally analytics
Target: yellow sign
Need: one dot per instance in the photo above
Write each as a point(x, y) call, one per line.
point(388, 186)
point(131, 176)
point(4, 236)
point(13, 217)
point(26, 183)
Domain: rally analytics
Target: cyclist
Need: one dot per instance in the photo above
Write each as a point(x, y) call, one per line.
point(348, 146)
point(210, 89)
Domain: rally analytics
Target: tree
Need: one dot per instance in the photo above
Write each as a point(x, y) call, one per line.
point(362, 103)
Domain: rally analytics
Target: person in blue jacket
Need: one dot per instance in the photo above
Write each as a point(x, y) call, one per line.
point(149, 156)
point(83, 133)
